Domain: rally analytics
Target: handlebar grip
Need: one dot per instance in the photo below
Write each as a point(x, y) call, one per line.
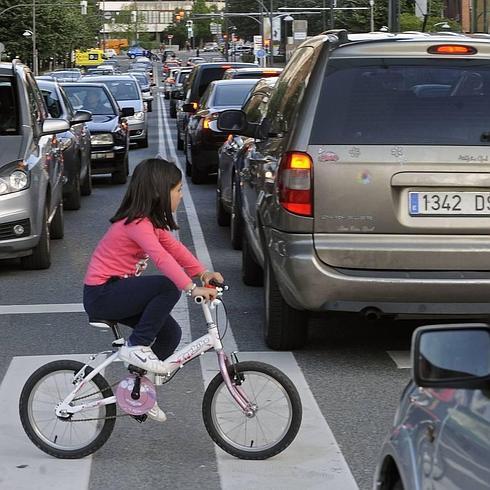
point(215, 283)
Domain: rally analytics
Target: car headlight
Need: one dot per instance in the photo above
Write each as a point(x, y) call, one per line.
point(139, 115)
point(101, 139)
point(14, 178)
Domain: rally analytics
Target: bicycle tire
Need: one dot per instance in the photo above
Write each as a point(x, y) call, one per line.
point(247, 450)
point(34, 432)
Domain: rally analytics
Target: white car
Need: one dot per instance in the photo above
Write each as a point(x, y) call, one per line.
point(110, 53)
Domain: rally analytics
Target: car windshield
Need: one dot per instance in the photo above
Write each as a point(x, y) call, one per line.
point(123, 89)
point(65, 74)
point(142, 79)
point(9, 120)
point(93, 99)
point(404, 102)
point(231, 95)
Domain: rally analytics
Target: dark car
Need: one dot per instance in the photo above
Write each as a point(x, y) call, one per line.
point(108, 128)
point(199, 79)
point(75, 143)
point(234, 73)
point(440, 437)
point(230, 157)
point(203, 136)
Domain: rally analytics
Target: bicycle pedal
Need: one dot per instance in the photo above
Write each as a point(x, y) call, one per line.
point(136, 370)
point(140, 418)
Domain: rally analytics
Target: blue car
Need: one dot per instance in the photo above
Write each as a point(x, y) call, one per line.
point(440, 438)
point(135, 51)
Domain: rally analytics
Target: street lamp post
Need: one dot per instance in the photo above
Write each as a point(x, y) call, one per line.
point(371, 4)
point(35, 64)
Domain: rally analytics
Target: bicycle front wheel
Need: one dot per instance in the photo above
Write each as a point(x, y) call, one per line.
point(277, 411)
point(77, 435)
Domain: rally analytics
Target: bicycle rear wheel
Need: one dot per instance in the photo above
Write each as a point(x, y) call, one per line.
point(276, 420)
point(75, 436)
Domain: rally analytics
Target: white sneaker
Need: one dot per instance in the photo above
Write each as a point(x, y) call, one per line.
point(156, 413)
point(141, 356)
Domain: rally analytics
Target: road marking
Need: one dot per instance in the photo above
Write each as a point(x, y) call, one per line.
point(200, 246)
point(22, 465)
point(42, 308)
point(401, 358)
point(314, 459)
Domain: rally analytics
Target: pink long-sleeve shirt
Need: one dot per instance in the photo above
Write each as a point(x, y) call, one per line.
point(124, 250)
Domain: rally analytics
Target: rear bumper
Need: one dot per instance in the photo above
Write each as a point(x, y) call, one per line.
point(308, 284)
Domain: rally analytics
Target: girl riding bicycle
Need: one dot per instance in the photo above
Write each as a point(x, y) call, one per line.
point(114, 288)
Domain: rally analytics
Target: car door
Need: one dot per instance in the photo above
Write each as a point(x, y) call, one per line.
point(194, 124)
point(462, 446)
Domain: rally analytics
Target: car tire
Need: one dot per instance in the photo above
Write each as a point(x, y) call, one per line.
point(398, 485)
point(198, 176)
point(173, 113)
point(57, 225)
point(285, 328)
point(73, 201)
point(143, 143)
point(252, 273)
point(86, 187)
point(222, 216)
point(236, 219)
point(180, 143)
point(41, 253)
point(120, 177)
point(166, 95)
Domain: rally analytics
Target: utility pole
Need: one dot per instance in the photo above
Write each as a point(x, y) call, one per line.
point(225, 22)
point(271, 40)
point(35, 63)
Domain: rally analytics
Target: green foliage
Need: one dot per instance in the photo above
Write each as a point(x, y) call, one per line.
point(60, 28)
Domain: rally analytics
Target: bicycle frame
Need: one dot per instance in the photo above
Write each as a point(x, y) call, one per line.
point(176, 361)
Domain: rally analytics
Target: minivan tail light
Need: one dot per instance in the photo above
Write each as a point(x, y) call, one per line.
point(295, 183)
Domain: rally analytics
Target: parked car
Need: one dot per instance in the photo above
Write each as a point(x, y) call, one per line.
point(199, 79)
point(234, 73)
point(440, 435)
point(392, 221)
point(108, 128)
point(177, 92)
point(31, 170)
point(230, 155)
point(75, 143)
point(145, 86)
point(203, 136)
point(127, 93)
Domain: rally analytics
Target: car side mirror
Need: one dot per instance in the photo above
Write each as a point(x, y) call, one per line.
point(191, 107)
point(54, 126)
point(81, 117)
point(452, 356)
point(232, 121)
point(127, 112)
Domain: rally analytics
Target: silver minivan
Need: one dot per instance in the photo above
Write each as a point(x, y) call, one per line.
point(369, 189)
point(31, 170)
point(127, 93)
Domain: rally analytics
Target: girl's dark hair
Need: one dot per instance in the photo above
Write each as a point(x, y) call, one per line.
point(148, 194)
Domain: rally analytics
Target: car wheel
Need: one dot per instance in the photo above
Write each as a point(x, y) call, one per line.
point(73, 200)
point(222, 216)
point(180, 143)
point(121, 176)
point(397, 486)
point(86, 187)
point(167, 95)
point(149, 107)
point(285, 328)
point(198, 176)
point(173, 112)
point(143, 143)
point(252, 273)
point(236, 219)
point(41, 253)
point(57, 226)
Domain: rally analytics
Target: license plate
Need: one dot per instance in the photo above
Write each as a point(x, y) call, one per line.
point(102, 156)
point(449, 203)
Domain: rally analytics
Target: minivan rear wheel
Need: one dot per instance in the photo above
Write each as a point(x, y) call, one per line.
point(57, 226)
point(285, 328)
point(252, 273)
point(41, 253)
point(236, 219)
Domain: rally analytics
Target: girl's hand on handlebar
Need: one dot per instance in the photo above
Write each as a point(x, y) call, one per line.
point(207, 293)
point(209, 276)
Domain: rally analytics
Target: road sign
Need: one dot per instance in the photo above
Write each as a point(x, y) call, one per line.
point(260, 53)
point(2, 47)
point(107, 16)
point(170, 36)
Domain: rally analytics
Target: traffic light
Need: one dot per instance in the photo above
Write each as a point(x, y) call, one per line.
point(83, 7)
point(189, 23)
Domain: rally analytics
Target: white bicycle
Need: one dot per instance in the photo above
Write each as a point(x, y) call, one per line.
point(252, 410)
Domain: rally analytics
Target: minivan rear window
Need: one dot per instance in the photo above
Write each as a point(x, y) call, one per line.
point(9, 116)
point(404, 102)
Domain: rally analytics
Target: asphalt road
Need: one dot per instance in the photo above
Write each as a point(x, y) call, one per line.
point(354, 381)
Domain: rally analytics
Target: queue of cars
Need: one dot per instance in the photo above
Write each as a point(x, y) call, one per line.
point(57, 131)
point(357, 181)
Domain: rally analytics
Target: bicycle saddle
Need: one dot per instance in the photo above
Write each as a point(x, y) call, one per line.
point(102, 323)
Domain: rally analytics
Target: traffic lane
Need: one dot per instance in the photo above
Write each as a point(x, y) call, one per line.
point(62, 282)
